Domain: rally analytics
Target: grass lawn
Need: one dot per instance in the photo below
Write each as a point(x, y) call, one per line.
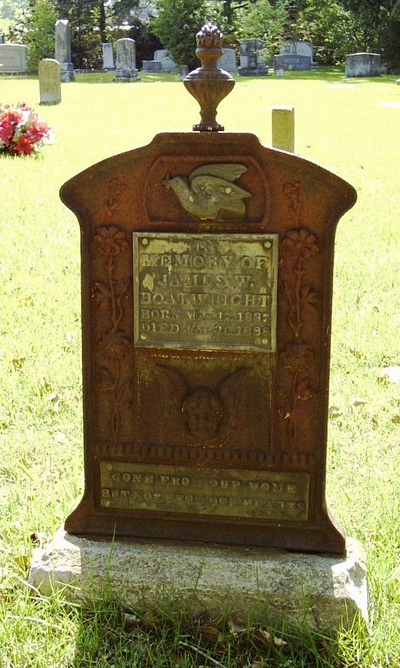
point(350, 126)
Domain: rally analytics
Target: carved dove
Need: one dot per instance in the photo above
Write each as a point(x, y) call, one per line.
point(209, 189)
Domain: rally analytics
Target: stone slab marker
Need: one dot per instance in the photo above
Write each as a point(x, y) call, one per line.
point(63, 49)
point(283, 128)
point(14, 57)
point(207, 264)
point(363, 65)
point(50, 81)
point(126, 59)
point(108, 56)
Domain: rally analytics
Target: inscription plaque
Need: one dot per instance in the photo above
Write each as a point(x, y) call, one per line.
point(205, 291)
point(205, 491)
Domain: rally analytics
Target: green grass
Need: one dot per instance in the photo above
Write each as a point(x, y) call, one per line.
point(349, 126)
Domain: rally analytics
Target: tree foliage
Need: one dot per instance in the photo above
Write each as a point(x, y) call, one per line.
point(176, 25)
point(266, 20)
point(39, 32)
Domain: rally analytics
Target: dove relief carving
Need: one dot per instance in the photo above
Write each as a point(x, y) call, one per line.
point(210, 190)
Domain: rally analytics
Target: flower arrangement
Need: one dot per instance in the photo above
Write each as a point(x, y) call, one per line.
point(21, 130)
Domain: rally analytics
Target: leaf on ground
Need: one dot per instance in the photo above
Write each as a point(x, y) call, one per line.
point(267, 637)
point(358, 401)
point(236, 625)
point(335, 412)
point(131, 621)
point(356, 353)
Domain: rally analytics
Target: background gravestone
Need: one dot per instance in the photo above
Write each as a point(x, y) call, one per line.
point(152, 66)
point(298, 48)
point(13, 58)
point(49, 81)
point(252, 61)
point(292, 61)
point(63, 49)
point(126, 59)
point(164, 57)
point(363, 65)
point(228, 60)
point(108, 56)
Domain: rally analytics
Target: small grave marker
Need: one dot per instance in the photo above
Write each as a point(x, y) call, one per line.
point(50, 81)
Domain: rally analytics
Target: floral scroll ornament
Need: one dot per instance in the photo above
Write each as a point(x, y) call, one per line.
point(113, 345)
point(297, 357)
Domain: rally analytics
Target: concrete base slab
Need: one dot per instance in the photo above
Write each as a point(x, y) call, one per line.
point(322, 591)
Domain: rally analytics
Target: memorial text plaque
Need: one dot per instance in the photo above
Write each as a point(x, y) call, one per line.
point(206, 291)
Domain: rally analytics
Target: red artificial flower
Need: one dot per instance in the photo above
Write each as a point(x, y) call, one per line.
point(21, 130)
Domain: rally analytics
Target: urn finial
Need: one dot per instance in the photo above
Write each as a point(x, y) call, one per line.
point(209, 84)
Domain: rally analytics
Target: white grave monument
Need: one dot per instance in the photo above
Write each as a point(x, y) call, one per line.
point(108, 56)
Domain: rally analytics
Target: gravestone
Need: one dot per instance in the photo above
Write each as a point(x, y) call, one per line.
point(108, 56)
point(228, 60)
point(298, 48)
point(363, 65)
point(291, 61)
point(126, 59)
point(49, 81)
point(13, 58)
point(206, 338)
point(152, 66)
point(252, 61)
point(167, 64)
point(207, 264)
point(63, 50)
point(183, 72)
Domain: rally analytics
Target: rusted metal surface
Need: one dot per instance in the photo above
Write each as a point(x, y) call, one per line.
point(242, 397)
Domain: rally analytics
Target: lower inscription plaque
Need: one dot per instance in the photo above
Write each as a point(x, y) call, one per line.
point(206, 291)
point(205, 491)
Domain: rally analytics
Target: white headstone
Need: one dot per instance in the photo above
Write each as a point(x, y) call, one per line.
point(108, 56)
point(50, 81)
point(13, 57)
point(164, 57)
point(126, 59)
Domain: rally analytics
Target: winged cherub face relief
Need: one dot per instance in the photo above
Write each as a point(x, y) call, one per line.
point(202, 411)
point(210, 189)
point(208, 415)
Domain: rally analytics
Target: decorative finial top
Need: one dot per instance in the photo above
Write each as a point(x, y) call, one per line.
point(209, 84)
point(209, 37)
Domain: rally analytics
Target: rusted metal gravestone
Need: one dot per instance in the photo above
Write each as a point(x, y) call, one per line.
point(206, 298)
